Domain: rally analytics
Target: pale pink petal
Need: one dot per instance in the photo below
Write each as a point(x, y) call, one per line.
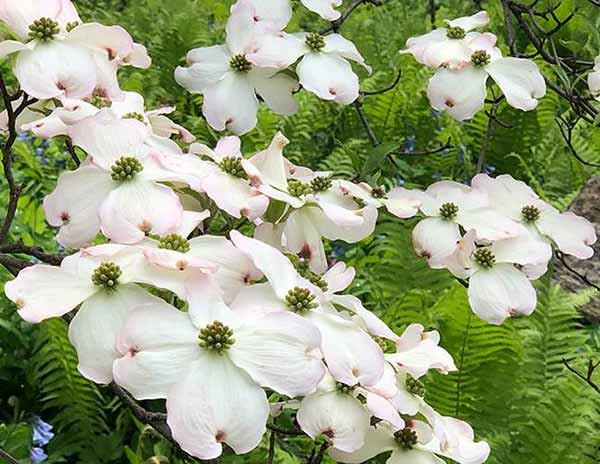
point(384, 410)
point(379, 439)
point(278, 50)
point(338, 416)
point(435, 239)
point(460, 93)
point(488, 223)
point(137, 57)
point(276, 13)
point(229, 409)
point(208, 65)
point(113, 41)
point(367, 319)
point(276, 91)
point(156, 347)
point(336, 44)
point(280, 351)
point(339, 277)
point(525, 249)
point(8, 47)
point(324, 8)
point(520, 80)
point(469, 23)
point(572, 234)
point(37, 285)
point(74, 204)
point(256, 301)
point(271, 164)
point(303, 237)
point(93, 330)
point(329, 77)
point(449, 53)
point(501, 292)
point(137, 208)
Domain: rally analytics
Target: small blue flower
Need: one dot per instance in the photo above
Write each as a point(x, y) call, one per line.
point(42, 432)
point(489, 169)
point(338, 251)
point(39, 151)
point(410, 143)
point(400, 182)
point(45, 143)
point(37, 455)
point(60, 163)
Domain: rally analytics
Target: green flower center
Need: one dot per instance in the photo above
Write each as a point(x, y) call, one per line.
point(321, 183)
point(484, 257)
point(138, 116)
point(72, 25)
point(304, 271)
point(297, 188)
point(240, 64)
point(174, 242)
point(232, 165)
point(343, 388)
point(448, 211)
point(43, 29)
point(415, 387)
point(126, 168)
point(100, 102)
point(378, 192)
point(315, 42)
point(455, 33)
point(300, 300)
point(406, 438)
point(107, 276)
point(530, 213)
point(480, 58)
point(216, 337)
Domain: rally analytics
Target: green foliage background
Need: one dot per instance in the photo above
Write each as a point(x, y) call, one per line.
point(511, 386)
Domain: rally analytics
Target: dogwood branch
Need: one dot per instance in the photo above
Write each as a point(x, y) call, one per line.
point(335, 25)
point(385, 89)
point(587, 377)
point(8, 457)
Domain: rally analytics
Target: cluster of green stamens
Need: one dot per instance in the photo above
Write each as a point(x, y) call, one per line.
point(100, 102)
point(240, 64)
point(297, 188)
point(480, 58)
point(315, 41)
point(530, 213)
point(343, 388)
point(232, 165)
point(125, 168)
point(378, 192)
point(406, 438)
point(174, 242)
point(387, 346)
point(71, 25)
point(321, 183)
point(137, 116)
point(300, 300)
point(455, 33)
point(43, 29)
point(304, 271)
point(107, 276)
point(360, 202)
point(484, 257)
point(448, 211)
point(415, 387)
point(216, 337)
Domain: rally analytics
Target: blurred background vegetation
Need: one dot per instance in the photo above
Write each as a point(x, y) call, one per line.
point(511, 385)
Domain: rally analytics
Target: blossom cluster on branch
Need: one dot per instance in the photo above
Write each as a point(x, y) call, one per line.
point(234, 330)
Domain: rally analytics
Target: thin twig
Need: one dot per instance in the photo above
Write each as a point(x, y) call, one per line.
point(292, 433)
point(36, 252)
point(561, 257)
point(488, 136)
point(587, 378)
point(566, 131)
point(385, 89)
point(8, 457)
point(335, 25)
point(446, 146)
point(271, 455)
point(72, 152)
point(365, 122)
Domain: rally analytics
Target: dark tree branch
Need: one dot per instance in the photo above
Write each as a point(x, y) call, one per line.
point(271, 454)
point(281, 431)
point(385, 89)
point(8, 457)
point(431, 9)
point(587, 377)
point(442, 148)
point(488, 137)
point(36, 252)
point(365, 122)
point(561, 257)
point(72, 152)
point(335, 25)
point(566, 128)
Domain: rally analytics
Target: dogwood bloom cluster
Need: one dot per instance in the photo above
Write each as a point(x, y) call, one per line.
point(258, 61)
point(497, 234)
point(464, 59)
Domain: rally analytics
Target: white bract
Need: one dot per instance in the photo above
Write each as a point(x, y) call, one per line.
point(210, 366)
point(59, 56)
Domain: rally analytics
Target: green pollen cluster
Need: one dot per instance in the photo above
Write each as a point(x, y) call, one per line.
point(343, 388)
point(315, 42)
point(484, 257)
point(43, 29)
point(240, 64)
point(415, 387)
point(480, 58)
point(455, 33)
point(387, 346)
point(406, 438)
point(360, 202)
point(321, 183)
point(448, 211)
point(309, 275)
point(100, 102)
point(174, 242)
point(107, 276)
point(300, 300)
point(216, 337)
point(530, 213)
point(297, 188)
point(125, 168)
point(378, 192)
point(232, 165)
point(72, 25)
point(137, 116)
